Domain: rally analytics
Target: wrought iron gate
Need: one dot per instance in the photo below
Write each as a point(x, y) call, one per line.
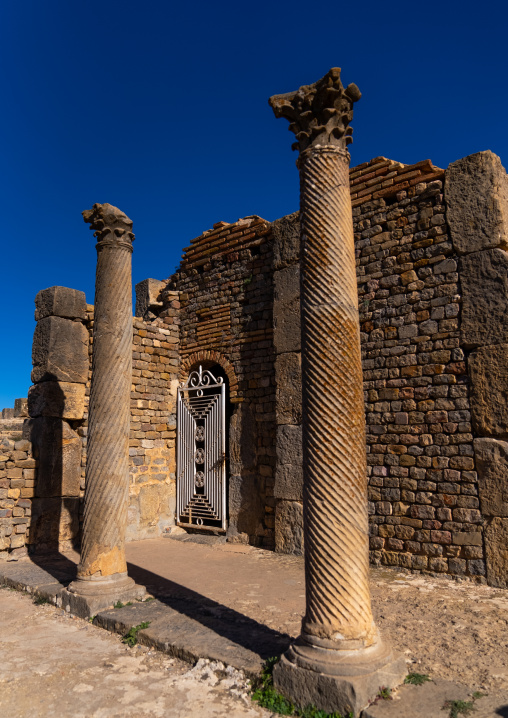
point(201, 452)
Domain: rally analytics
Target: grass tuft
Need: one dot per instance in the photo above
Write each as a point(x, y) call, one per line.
point(267, 697)
point(416, 679)
point(131, 638)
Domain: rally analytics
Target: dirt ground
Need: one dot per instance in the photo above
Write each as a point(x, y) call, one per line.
point(456, 630)
point(52, 664)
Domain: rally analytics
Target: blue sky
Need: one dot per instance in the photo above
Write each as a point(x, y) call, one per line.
point(161, 109)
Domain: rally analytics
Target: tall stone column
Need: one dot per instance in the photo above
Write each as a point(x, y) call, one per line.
point(339, 661)
point(102, 572)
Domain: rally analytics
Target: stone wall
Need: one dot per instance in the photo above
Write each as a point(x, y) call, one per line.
point(17, 470)
point(476, 193)
point(50, 483)
point(426, 298)
point(226, 294)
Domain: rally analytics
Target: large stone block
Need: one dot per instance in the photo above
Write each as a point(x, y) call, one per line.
point(476, 193)
point(488, 371)
point(57, 448)
point(57, 398)
point(289, 467)
point(147, 296)
point(20, 408)
point(289, 527)
point(288, 378)
point(60, 351)
point(496, 551)
point(60, 302)
point(286, 310)
point(492, 466)
point(286, 240)
point(54, 522)
point(484, 281)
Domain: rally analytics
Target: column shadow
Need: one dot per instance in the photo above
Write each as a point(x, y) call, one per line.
point(224, 621)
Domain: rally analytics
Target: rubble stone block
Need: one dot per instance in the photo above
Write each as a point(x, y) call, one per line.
point(286, 310)
point(476, 193)
point(289, 467)
point(286, 240)
point(60, 302)
point(288, 378)
point(496, 551)
point(488, 371)
point(60, 351)
point(484, 282)
point(147, 296)
point(58, 450)
point(60, 399)
point(289, 528)
point(492, 466)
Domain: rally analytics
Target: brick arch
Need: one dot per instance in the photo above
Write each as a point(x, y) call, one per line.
point(207, 356)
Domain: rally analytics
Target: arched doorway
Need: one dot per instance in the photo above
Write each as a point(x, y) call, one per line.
point(202, 428)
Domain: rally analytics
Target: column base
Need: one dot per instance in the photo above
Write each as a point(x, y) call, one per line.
point(86, 597)
point(335, 680)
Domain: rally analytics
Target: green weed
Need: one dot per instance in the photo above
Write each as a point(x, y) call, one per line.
point(416, 679)
point(459, 707)
point(385, 693)
point(40, 601)
point(267, 697)
point(131, 637)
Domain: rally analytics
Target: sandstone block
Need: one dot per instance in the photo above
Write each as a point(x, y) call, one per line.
point(60, 351)
point(20, 408)
point(289, 467)
point(492, 466)
point(484, 280)
point(58, 451)
point(488, 371)
point(60, 399)
point(286, 310)
point(147, 296)
point(286, 240)
point(60, 302)
point(289, 527)
point(496, 551)
point(476, 192)
point(154, 502)
point(53, 521)
point(288, 378)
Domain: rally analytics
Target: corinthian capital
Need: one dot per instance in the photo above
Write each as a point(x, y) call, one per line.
point(319, 113)
point(108, 222)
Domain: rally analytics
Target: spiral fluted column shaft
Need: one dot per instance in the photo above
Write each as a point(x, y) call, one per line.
point(335, 484)
point(107, 469)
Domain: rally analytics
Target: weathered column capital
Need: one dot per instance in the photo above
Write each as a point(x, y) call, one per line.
point(111, 225)
point(319, 113)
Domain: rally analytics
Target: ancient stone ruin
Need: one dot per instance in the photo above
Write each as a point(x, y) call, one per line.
point(221, 339)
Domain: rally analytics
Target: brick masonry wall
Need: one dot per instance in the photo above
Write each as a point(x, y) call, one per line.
point(428, 506)
point(422, 481)
point(226, 294)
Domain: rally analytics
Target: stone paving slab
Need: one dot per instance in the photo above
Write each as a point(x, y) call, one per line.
point(183, 624)
point(189, 632)
point(429, 699)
